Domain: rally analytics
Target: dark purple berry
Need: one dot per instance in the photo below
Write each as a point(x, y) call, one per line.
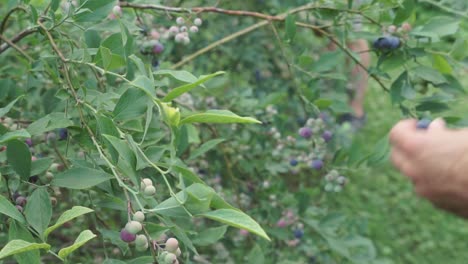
point(158, 48)
point(127, 236)
point(327, 135)
point(33, 179)
point(29, 142)
point(423, 123)
point(63, 134)
point(317, 164)
point(293, 162)
point(21, 201)
point(298, 233)
point(305, 132)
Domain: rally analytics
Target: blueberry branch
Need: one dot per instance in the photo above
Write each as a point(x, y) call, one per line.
point(345, 50)
point(7, 16)
point(15, 39)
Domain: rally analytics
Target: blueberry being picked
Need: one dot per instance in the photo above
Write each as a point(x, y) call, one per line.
point(423, 123)
point(387, 43)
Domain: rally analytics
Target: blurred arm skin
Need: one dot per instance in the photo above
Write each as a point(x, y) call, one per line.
point(435, 160)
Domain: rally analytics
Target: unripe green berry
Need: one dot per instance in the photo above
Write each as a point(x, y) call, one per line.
point(149, 191)
point(170, 258)
point(139, 216)
point(147, 181)
point(141, 241)
point(172, 245)
point(178, 252)
point(133, 227)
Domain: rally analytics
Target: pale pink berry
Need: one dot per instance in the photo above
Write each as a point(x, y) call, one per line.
point(406, 27)
point(392, 29)
point(172, 245)
point(243, 232)
point(197, 22)
point(180, 21)
point(281, 223)
point(117, 11)
point(194, 29)
point(174, 30)
point(179, 38)
point(155, 34)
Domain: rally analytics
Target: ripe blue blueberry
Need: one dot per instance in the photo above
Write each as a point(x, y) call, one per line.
point(387, 43)
point(293, 162)
point(63, 134)
point(423, 123)
point(305, 132)
point(317, 164)
point(327, 135)
point(298, 233)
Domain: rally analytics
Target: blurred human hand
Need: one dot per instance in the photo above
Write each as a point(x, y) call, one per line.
point(436, 160)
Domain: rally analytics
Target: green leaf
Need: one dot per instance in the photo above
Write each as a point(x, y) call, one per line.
point(6, 109)
point(205, 147)
point(176, 92)
point(256, 255)
point(236, 219)
point(48, 123)
point(380, 152)
point(84, 237)
point(429, 75)
point(323, 103)
point(38, 210)
point(217, 116)
point(145, 84)
point(18, 134)
point(404, 12)
point(93, 11)
point(196, 199)
point(440, 26)
point(123, 149)
point(441, 64)
point(67, 216)
point(19, 231)
point(432, 106)
point(80, 178)
point(10, 210)
point(290, 27)
point(40, 166)
point(19, 246)
point(139, 63)
point(209, 236)
point(183, 76)
point(19, 158)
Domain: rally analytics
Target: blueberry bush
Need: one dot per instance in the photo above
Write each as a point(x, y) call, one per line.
point(204, 131)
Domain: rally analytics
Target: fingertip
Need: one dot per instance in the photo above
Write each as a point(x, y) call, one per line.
point(401, 129)
point(437, 124)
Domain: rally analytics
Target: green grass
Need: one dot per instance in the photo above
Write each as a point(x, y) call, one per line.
point(404, 228)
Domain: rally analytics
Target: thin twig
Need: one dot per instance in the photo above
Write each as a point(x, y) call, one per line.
point(9, 42)
point(7, 16)
point(17, 38)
